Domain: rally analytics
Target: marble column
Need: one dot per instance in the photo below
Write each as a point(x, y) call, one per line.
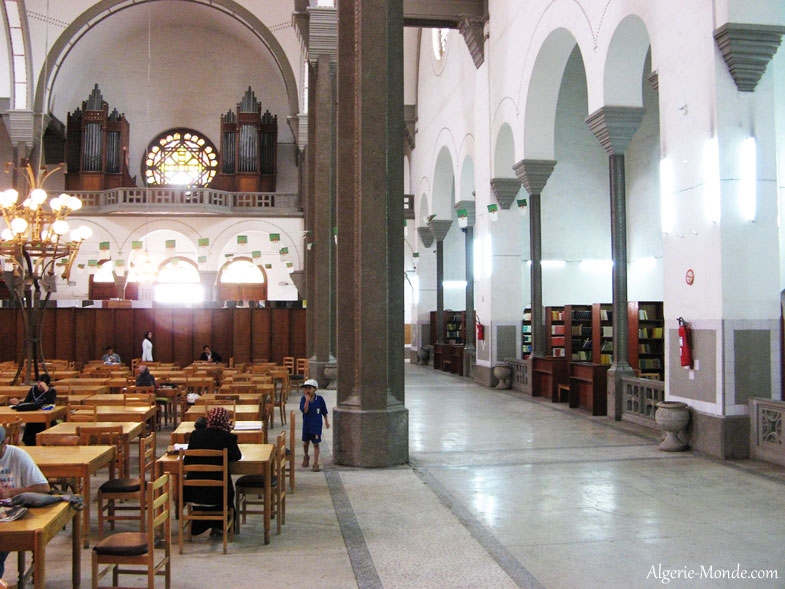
point(310, 165)
point(321, 306)
point(371, 421)
point(469, 348)
point(439, 228)
point(533, 174)
point(614, 126)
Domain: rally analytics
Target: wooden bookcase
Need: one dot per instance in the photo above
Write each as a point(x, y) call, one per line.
point(579, 332)
point(526, 333)
point(449, 355)
point(646, 339)
point(602, 327)
point(555, 332)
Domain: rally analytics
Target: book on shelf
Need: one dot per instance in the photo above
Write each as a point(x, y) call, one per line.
point(649, 363)
point(558, 352)
point(557, 315)
point(557, 341)
point(581, 315)
point(557, 329)
point(607, 331)
point(607, 347)
point(527, 316)
point(581, 356)
point(643, 314)
point(657, 333)
point(606, 358)
point(606, 315)
point(527, 329)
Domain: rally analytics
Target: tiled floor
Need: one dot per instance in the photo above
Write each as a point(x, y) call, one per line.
point(504, 491)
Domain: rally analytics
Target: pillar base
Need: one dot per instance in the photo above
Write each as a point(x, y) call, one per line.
point(616, 390)
point(720, 436)
point(469, 360)
point(483, 375)
point(316, 370)
point(371, 438)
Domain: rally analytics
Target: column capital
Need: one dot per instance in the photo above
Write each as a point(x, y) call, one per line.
point(470, 207)
point(426, 235)
point(747, 50)
point(439, 228)
point(614, 126)
point(473, 32)
point(322, 34)
point(505, 190)
point(533, 174)
point(21, 127)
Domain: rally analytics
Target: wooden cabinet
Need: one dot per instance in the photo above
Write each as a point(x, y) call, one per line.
point(589, 387)
point(646, 341)
point(526, 333)
point(602, 327)
point(449, 355)
point(554, 331)
point(547, 374)
point(578, 325)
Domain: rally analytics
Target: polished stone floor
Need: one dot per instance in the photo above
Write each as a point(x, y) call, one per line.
point(504, 491)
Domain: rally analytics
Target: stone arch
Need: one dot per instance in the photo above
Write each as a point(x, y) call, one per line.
point(543, 94)
point(504, 153)
point(466, 186)
point(102, 10)
point(624, 62)
point(293, 242)
point(146, 227)
point(443, 184)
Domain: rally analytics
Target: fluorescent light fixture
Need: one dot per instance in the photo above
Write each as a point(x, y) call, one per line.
point(748, 176)
point(596, 265)
point(454, 283)
point(553, 263)
point(667, 198)
point(712, 199)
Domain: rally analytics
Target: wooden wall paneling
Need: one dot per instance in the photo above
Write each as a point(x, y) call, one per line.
point(279, 326)
point(260, 334)
point(65, 320)
point(222, 332)
point(84, 335)
point(203, 333)
point(241, 335)
point(297, 333)
point(20, 332)
point(48, 334)
point(8, 335)
point(104, 332)
point(124, 342)
point(163, 336)
point(144, 321)
point(182, 325)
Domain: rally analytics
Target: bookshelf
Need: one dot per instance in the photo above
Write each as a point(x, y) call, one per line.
point(526, 333)
point(455, 328)
point(449, 355)
point(647, 344)
point(578, 325)
point(602, 327)
point(555, 330)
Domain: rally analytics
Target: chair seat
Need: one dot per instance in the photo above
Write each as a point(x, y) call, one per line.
point(254, 480)
point(121, 486)
point(123, 544)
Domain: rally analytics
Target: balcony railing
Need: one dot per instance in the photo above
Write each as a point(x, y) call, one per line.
point(189, 201)
point(641, 396)
point(766, 437)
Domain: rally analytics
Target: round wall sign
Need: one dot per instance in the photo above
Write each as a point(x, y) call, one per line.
point(689, 278)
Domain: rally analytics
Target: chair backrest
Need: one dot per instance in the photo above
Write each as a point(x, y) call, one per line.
point(13, 431)
point(302, 367)
point(291, 431)
point(107, 435)
point(203, 462)
point(288, 362)
point(146, 456)
point(158, 503)
point(225, 397)
point(83, 413)
point(147, 398)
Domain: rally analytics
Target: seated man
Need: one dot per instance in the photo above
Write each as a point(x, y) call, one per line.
point(111, 357)
point(208, 355)
point(40, 394)
point(18, 474)
point(144, 377)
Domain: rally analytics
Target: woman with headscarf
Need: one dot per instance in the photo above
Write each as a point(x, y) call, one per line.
point(217, 436)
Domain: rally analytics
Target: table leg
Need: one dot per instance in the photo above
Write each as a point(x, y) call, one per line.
point(39, 561)
point(86, 510)
point(20, 565)
point(76, 551)
point(267, 499)
point(127, 461)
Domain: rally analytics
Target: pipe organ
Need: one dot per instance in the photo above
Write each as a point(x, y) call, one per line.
point(96, 146)
point(249, 143)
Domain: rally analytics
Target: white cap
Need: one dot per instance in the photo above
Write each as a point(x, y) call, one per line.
point(311, 382)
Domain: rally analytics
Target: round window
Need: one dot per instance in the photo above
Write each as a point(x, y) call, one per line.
point(180, 157)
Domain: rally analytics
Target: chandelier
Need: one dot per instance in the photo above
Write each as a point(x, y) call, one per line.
point(36, 240)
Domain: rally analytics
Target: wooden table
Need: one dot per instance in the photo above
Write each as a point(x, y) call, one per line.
point(74, 461)
point(257, 459)
point(63, 434)
point(242, 398)
point(39, 416)
point(134, 413)
point(77, 399)
point(242, 412)
point(83, 389)
point(105, 399)
point(182, 434)
point(81, 381)
point(33, 531)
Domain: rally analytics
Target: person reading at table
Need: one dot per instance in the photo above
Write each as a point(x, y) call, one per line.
point(110, 357)
point(208, 355)
point(313, 409)
point(40, 394)
point(144, 378)
point(216, 436)
point(18, 474)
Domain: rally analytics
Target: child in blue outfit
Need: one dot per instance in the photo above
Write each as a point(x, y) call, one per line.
point(313, 408)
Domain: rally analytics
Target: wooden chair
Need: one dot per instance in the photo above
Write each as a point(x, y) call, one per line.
point(127, 489)
point(13, 431)
point(83, 413)
point(190, 512)
point(106, 436)
point(253, 484)
point(138, 548)
point(289, 364)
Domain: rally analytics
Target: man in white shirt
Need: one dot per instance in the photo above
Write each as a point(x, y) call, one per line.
point(18, 474)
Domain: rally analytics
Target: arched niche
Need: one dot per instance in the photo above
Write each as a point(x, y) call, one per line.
point(624, 63)
point(443, 185)
point(466, 191)
point(504, 153)
point(248, 284)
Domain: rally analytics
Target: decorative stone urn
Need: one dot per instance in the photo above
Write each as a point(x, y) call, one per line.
point(672, 417)
point(423, 355)
point(331, 374)
point(504, 373)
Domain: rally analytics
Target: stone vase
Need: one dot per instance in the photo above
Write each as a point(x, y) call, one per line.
point(331, 374)
point(504, 374)
point(423, 356)
point(672, 417)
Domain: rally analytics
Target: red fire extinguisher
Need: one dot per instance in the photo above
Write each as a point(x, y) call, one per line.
point(685, 348)
point(480, 330)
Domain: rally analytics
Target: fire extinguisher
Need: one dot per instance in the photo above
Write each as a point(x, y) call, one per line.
point(685, 348)
point(480, 330)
